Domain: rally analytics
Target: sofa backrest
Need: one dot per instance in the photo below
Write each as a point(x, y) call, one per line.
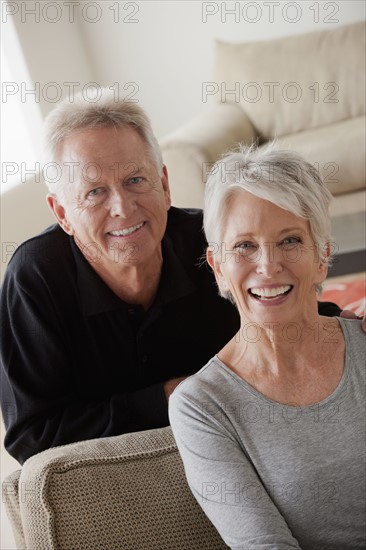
point(295, 83)
point(24, 213)
point(126, 492)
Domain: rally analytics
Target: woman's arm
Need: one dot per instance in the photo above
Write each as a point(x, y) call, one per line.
point(224, 481)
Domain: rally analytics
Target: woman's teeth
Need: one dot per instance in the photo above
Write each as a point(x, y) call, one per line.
point(270, 292)
point(124, 232)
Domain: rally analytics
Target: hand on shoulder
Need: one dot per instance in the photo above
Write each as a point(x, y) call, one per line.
point(347, 314)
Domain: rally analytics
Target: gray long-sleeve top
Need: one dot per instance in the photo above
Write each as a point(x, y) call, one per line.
point(274, 476)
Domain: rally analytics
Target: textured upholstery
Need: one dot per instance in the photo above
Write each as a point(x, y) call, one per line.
point(11, 494)
point(342, 168)
point(119, 493)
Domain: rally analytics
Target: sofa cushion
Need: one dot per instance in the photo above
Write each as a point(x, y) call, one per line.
point(338, 150)
point(294, 83)
point(123, 492)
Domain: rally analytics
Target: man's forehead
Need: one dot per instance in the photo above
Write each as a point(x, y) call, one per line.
point(118, 170)
point(124, 138)
point(114, 154)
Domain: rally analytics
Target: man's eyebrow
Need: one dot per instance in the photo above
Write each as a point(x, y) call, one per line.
point(85, 183)
point(137, 168)
point(132, 168)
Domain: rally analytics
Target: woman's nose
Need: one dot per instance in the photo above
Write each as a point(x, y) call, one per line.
point(269, 260)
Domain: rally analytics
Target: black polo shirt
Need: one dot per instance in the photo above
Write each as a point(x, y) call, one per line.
point(79, 363)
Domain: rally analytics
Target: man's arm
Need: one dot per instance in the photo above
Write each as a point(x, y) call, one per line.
point(330, 310)
point(170, 385)
point(41, 392)
point(35, 426)
point(347, 314)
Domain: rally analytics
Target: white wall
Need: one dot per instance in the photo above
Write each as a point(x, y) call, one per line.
point(164, 49)
point(168, 51)
point(51, 41)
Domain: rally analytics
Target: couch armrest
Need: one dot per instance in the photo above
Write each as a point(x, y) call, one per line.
point(127, 491)
point(190, 150)
point(11, 492)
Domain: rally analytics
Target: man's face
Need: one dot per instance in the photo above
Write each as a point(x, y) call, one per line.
point(115, 203)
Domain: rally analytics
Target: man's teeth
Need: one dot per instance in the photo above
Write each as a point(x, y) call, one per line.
point(124, 232)
point(270, 292)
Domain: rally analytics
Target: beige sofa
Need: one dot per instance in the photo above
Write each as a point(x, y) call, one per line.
point(118, 493)
point(306, 90)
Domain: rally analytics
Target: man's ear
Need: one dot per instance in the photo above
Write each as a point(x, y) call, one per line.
point(166, 187)
point(59, 213)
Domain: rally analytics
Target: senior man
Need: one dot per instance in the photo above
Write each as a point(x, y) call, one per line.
point(104, 312)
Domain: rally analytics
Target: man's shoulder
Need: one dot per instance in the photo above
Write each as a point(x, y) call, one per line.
point(186, 219)
point(43, 251)
point(186, 225)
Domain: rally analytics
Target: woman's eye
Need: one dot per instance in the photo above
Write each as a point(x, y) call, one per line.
point(245, 246)
point(291, 241)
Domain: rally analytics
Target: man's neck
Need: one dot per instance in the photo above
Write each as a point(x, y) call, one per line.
point(134, 284)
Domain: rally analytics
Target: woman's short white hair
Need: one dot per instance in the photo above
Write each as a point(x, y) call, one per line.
point(101, 109)
point(280, 176)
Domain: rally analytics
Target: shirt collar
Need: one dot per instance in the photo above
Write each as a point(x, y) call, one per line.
point(96, 297)
point(175, 282)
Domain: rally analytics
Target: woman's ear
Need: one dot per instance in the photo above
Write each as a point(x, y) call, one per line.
point(215, 264)
point(323, 262)
point(210, 257)
point(59, 213)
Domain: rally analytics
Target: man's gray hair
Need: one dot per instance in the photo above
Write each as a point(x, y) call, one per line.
point(280, 176)
point(102, 109)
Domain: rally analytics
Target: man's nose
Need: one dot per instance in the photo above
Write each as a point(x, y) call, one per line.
point(269, 260)
point(122, 203)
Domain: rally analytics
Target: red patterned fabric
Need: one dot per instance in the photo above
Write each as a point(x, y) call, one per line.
point(348, 292)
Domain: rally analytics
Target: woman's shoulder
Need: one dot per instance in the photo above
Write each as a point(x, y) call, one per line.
point(211, 384)
point(197, 384)
point(355, 339)
point(352, 330)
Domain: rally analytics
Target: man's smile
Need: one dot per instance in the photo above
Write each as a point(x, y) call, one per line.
point(127, 231)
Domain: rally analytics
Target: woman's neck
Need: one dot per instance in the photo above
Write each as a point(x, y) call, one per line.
point(302, 365)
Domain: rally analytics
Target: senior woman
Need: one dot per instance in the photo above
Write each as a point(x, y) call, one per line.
point(272, 430)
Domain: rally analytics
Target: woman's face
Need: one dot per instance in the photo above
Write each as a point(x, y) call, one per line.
point(268, 261)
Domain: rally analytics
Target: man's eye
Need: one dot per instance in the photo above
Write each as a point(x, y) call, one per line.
point(94, 192)
point(135, 180)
